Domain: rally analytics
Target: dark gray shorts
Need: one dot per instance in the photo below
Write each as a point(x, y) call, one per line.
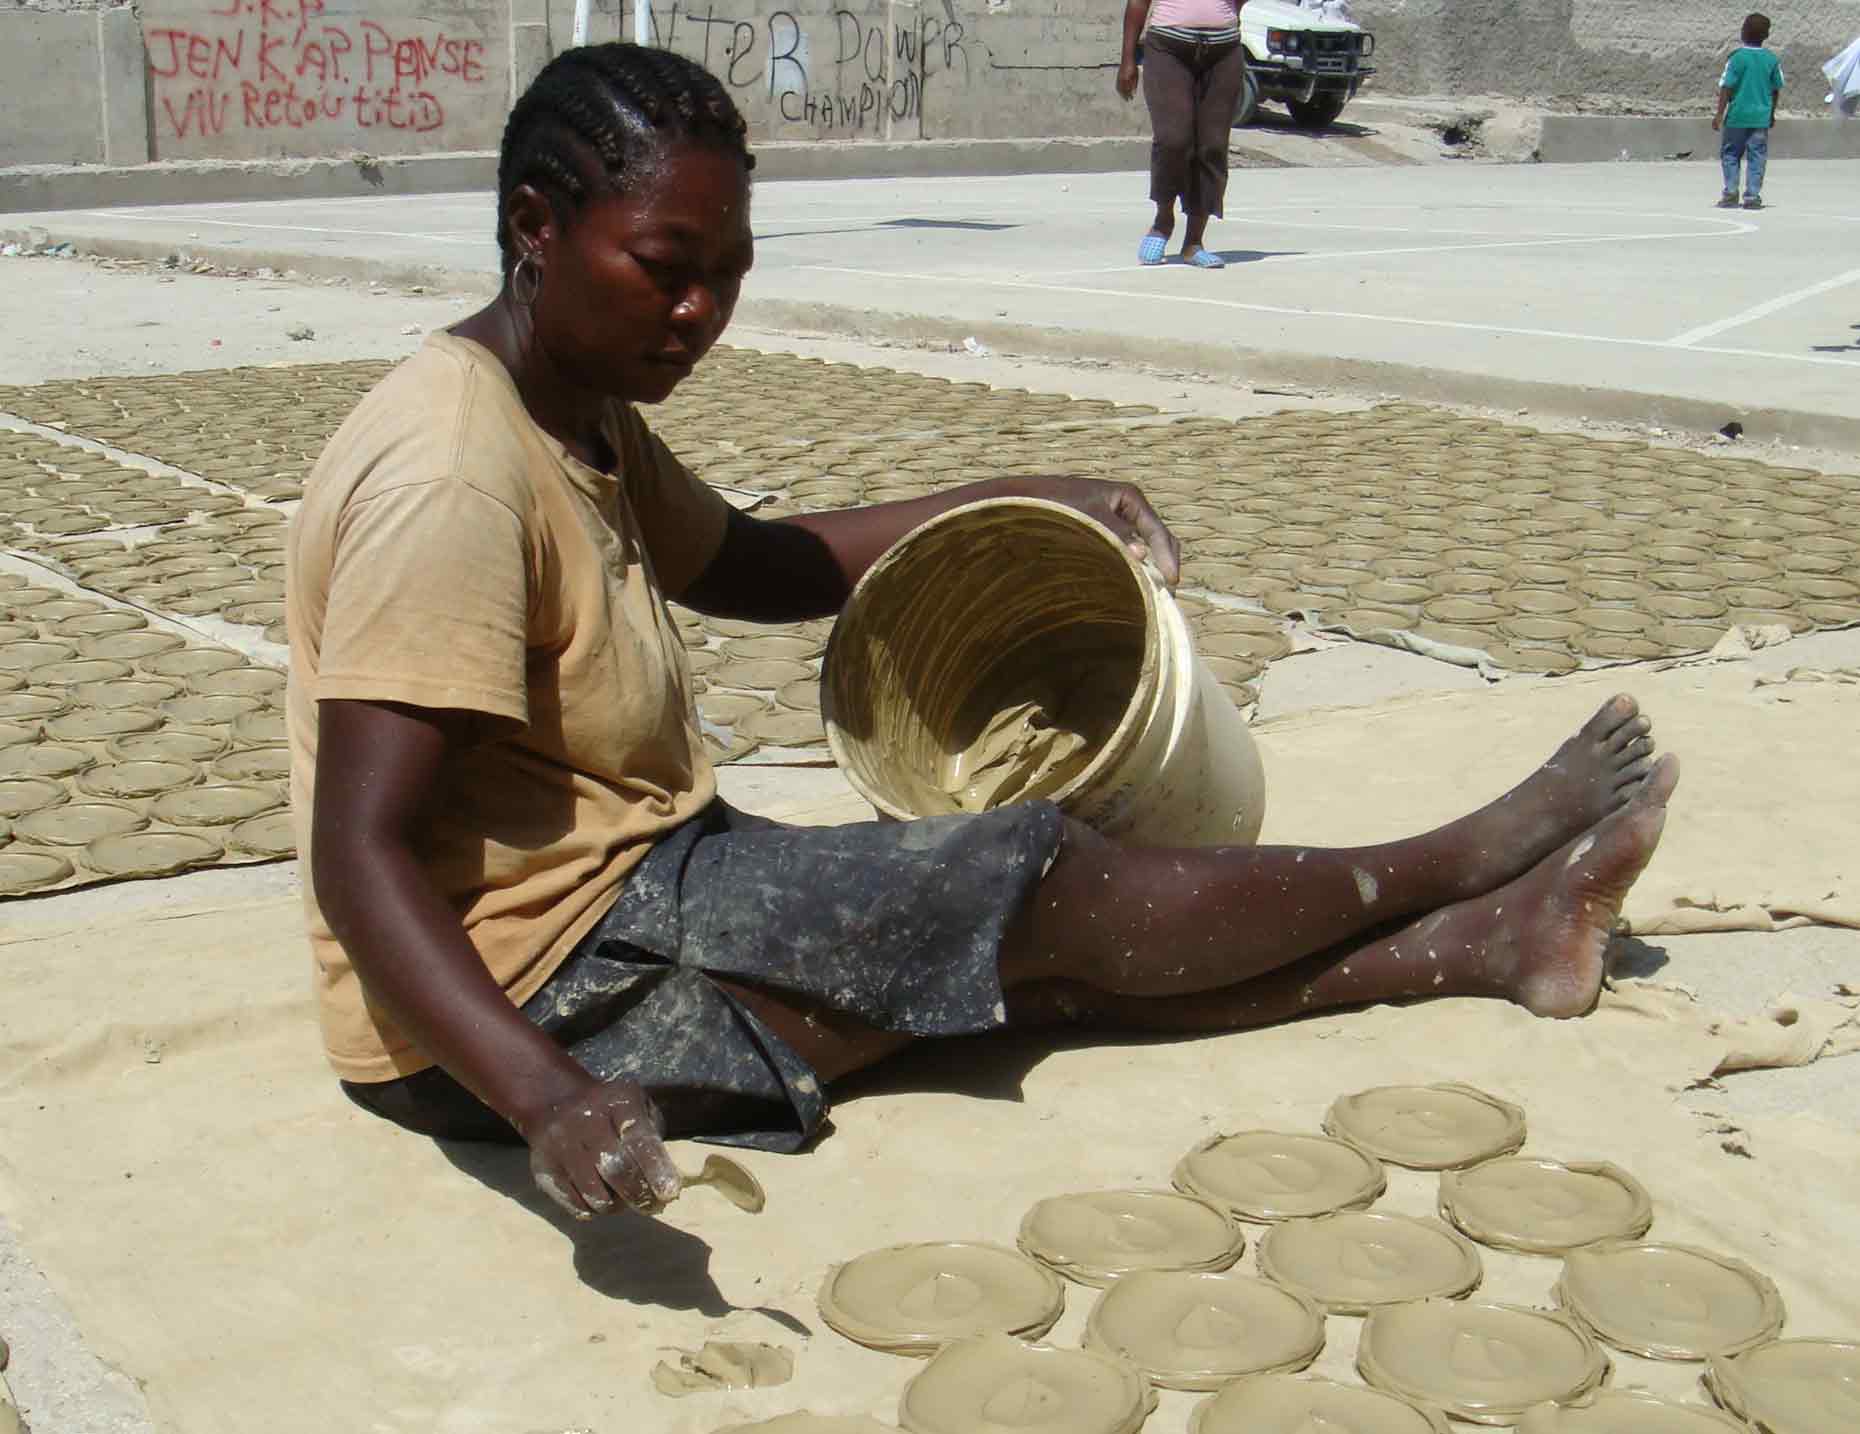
point(897, 924)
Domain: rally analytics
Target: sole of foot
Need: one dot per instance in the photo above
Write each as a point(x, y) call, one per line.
point(1559, 917)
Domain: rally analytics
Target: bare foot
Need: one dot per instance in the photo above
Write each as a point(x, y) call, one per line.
point(1545, 935)
point(1592, 774)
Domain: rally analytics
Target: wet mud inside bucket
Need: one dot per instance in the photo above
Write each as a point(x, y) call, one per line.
point(1008, 650)
point(1002, 652)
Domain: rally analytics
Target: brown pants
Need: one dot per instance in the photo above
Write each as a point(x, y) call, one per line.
point(1192, 92)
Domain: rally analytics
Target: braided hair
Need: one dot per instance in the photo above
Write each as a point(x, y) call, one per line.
point(594, 117)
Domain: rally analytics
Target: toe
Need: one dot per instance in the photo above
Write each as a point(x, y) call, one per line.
point(1612, 715)
point(1639, 729)
point(1632, 775)
point(1662, 778)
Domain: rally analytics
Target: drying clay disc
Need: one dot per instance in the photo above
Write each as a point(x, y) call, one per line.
point(149, 853)
point(23, 656)
point(190, 662)
point(22, 870)
point(1352, 1261)
point(198, 710)
point(996, 1384)
point(20, 795)
point(1267, 1175)
point(264, 683)
point(1095, 1237)
point(42, 759)
point(12, 734)
point(140, 778)
point(783, 727)
point(99, 724)
point(758, 674)
point(99, 623)
point(171, 746)
point(1669, 1301)
point(264, 728)
point(1427, 1127)
point(913, 1299)
point(1543, 1207)
point(787, 646)
point(80, 823)
point(216, 806)
point(131, 646)
point(273, 834)
point(1487, 1363)
point(1618, 1411)
point(1792, 1386)
point(254, 764)
point(1197, 1330)
point(17, 706)
point(80, 670)
point(125, 692)
point(805, 1422)
point(1286, 1404)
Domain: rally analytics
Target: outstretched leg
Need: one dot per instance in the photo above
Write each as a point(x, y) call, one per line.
point(1207, 939)
point(1159, 922)
point(1538, 940)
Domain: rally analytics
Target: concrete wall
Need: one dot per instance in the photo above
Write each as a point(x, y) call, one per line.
point(896, 69)
point(72, 87)
point(89, 82)
point(241, 79)
point(1663, 51)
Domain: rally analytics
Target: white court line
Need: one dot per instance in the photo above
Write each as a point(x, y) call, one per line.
point(1451, 248)
point(1763, 310)
point(459, 238)
point(1450, 324)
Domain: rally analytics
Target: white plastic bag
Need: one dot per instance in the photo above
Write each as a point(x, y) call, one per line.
point(1843, 73)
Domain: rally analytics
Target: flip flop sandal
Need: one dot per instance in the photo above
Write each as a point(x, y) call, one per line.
point(1207, 259)
point(1150, 251)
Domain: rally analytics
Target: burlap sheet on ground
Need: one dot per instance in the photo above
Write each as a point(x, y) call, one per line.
point(1762, 831)
point(257, 1254)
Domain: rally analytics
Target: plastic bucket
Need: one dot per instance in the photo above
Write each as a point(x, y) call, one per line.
point(1014, 648)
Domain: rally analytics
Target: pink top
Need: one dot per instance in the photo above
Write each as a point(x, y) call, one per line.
point(1195, 14)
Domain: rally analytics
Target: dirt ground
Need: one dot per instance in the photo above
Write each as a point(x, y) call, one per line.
point(72, 318)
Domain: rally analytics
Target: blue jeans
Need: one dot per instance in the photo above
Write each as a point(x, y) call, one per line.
point(1736, 143)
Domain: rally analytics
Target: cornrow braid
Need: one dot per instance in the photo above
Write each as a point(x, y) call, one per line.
point(594, 117)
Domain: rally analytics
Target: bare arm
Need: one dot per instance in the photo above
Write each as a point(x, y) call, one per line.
point(1136, 15)
point(806, 566)
point(1724, 103)
point(378, 773)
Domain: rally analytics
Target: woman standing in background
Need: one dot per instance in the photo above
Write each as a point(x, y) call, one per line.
point(1193, 73)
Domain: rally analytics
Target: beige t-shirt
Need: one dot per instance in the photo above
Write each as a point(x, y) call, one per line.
point(450, 554)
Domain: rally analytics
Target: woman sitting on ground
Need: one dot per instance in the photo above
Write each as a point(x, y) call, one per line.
point(532, 919)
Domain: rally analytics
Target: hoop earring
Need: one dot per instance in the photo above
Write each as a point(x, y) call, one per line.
point(527, 264)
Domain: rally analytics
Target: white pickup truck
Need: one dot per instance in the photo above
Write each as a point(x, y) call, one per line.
point(1308, 53)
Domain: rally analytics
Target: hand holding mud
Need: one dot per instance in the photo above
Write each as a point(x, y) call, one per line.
point(601, 1149)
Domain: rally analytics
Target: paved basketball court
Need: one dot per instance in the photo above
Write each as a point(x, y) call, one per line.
point(1612, 289)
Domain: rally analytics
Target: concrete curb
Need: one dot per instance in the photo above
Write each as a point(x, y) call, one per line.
point(29, 188)
point(1409, 381)
point(1575, 139)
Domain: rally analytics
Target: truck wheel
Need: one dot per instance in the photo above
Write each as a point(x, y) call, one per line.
point(1248, 107)
point(1318, 112)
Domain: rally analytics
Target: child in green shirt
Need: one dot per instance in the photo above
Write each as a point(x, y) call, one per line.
point(1747, 92)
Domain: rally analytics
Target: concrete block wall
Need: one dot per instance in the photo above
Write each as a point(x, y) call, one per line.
point(95, 82)
point(73, 86)
point(1662, 51)
point(248, 79)
point(895, 69)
